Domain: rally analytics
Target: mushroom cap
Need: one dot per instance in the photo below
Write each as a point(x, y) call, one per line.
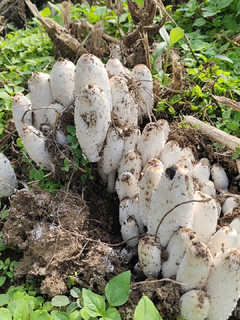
point(127, 185)
point(21, 106)
point(8, 180)
point(114, 68)
point(219, 176)
point(62, 81)
point(131, 162)
point(194, 304)
point(40, 92)
point(92, 119)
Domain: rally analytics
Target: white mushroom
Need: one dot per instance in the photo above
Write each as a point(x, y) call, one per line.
point(180, 241)
point(149, 255)
point(131, 162)
point(40, 95)
point(131, 138)
point(114, 68)
point(151, 175)
point(174, 188)
point(62, 81)
point(152, 140)
point(92, 119)
point(223, 284)
point(219, 177)
point(230, 202)
point(201, 170)
point(21, 111)
point(170, 153)
point(130, 229)
point(205, 217)
point(208, 188)
point(90, 70)
point(195, 305)
point(195, 267)
point(143, 89)
point(224, 238)
point(35, 143)
point(8, 180)
point(127, 185)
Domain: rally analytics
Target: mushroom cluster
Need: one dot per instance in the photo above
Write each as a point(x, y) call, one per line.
point(163, 190)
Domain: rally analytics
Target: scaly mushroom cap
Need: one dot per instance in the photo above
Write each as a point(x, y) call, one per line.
point(195, 267)
point(231, 202)
point(114, 68)
point(127, 185)
point(130, 229)
point(130, 207)
point(92, 119)
point(113, 150)
point(124, 106)
point(224, 238)
point(152, 140)
point(151, 175)
point(131, 138)
point(149, 255)
point(90, 70)
point(219, 177)
point(201, 170)
point(174, 187)
point(223, 284)
point(34, 142)
point(170, 153)
point(180, 241)
point(204, 217)
point(21, 106)
point(8, 180)
point(62, 81)
point(52, 111)
point(144, 89)
point(195, 305)
point(208, 188)
point(131, 162)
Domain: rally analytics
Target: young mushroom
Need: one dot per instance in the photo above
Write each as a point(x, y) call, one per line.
point(8, 180)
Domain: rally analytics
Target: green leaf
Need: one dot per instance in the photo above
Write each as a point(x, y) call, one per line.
point(12, 306)
point(158, 50)
point(164, 35)
point(21, 312)
point(93, 303)
point(140, 2)
point(5, 314)
point(40, 315)
point(118, 289)
point(3, 246)
point(223, 57)
point(199, 22)
point(60, 301)
point(72, 306)
point(84, 313)
point(111, 314)
point(146, 310)
point(75, 292)
point(4, 298)
point(75, 315)
point(175, 35)
point(59, 315)
point(2, 280)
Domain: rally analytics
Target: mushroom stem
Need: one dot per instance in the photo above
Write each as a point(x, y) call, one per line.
point(111, 181)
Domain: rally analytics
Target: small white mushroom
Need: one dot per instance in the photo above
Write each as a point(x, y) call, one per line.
point(235, 224)
point(195, 305)
point(130, 229)
point(40, 94)
point(8, 180)
point(114, 68)
point(152, 140)
point(21, 111)
point(35, 142)
point(219, 177)
point(127, 185)
point(208, 188)
point(224, 238)
point(112, 155)
point(170, 153)
point(149, 255)
point(186, 163)
point(130, 207)
point(151, 175)
point(201, 170)
point(131, 162)
point(174, 188)
point(62, 81)
point(131, 138)
point(124, 106)
point(195, 267)
point(231, 202)
point(52, 111)
point(223, 284)
point(143, 89)
point(180, 241)
point(205, 217)
point(92, 119)
point(90, 70)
